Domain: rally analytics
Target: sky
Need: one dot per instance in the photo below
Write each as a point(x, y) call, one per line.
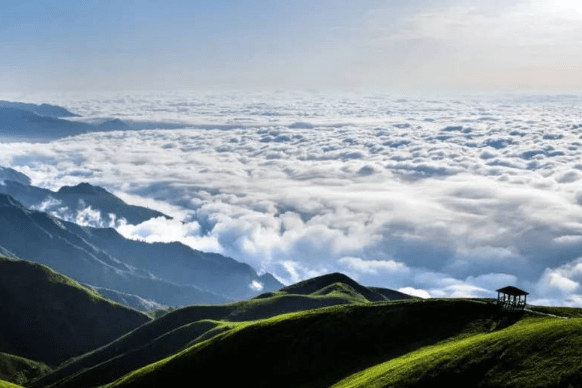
point(430, 147)
point(392, 46)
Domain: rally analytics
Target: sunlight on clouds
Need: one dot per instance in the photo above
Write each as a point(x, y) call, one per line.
point(415, 292)
point(161, 229)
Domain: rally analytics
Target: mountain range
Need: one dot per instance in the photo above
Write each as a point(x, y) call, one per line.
point(143, 275)
point(82, 306)
point(328, 331)
point(31, 122)
point(65, 335)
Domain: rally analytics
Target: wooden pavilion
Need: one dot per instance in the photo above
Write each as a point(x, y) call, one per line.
point(510, 298)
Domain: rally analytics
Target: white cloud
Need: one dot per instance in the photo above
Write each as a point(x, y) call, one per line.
point(562, 282)
point(415, 292)
point(405, 180)
point(256, 285)
point(373, 266)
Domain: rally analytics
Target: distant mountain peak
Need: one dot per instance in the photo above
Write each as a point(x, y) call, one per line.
point(113, 125)
point(45, 110)
point(84, 188)
point(313, 284)
point(9, 174)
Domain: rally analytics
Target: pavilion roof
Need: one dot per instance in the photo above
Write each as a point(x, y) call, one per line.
point(510, 290)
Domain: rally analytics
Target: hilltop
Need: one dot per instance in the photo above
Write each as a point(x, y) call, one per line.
point(183, 327)
point(417, 343)
point(49, 317)
point(328, 331)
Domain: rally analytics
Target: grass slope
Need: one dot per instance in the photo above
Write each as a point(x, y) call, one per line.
point(172, 332)
point(48, 317)
point(20, 370)
point(6, 384)
point(316, 348)
point(346, 285)
point(532, 353)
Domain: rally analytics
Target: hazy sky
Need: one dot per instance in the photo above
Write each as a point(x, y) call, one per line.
point(473, 45)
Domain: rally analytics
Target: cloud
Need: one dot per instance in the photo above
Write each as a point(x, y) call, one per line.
point(430, 213)
point(415, 292)
point(560, 283)
point(464, 45)
point(373, 266)
point(256, 286)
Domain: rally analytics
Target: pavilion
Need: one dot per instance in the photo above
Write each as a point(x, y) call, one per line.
point(510, 298)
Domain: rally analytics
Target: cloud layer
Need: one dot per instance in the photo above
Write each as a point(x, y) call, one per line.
point(444, 197)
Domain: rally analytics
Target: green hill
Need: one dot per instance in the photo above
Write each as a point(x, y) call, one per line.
point(317, 347)
point(456, 343)
point(339, 283)
point(48, 317)
point(6, 384)
point(325, 333)
point(532, 353)
point(20, 370)
point(180, 328)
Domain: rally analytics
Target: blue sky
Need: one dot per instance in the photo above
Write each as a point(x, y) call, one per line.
point(533, 45)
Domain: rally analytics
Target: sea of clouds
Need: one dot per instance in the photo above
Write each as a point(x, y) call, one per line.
point(453, 196)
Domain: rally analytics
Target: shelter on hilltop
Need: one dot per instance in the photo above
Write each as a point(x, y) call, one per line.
point(510, 298)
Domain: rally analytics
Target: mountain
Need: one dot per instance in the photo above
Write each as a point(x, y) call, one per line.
point(20, 370)
point(184, 327)
point(338, 283)
point(9, 174)
point(19, 124)
point(84, 195)
point(42, 238)
point(183, 265)
point(46, 110)
point(130, 300)
point(113, 125)
point(31, 122)
point(314, 348)
point(69, 201)
point(290, 339)
point(170, 274)
point(412, 343)
point(48, 317)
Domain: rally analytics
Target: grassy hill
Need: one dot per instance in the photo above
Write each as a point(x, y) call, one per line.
point(183, 327)
point(20, 370)
point(6, 384)
point(338, 284)
point(48, 317)
point(326, 333)
point(531, 353)
point(418, 343)
point(317, 347)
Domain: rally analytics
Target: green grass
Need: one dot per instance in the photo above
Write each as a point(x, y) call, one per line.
point(317, 348)
point(53, 317)
point(171, 332)
point(117, 366)
point(566, 312)
point(6, 384)
point(20, 370)
point(532, 353)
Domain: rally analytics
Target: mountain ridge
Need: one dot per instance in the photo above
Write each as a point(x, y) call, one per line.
point(180, 328)
point(40, 305)
point(171, 274)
